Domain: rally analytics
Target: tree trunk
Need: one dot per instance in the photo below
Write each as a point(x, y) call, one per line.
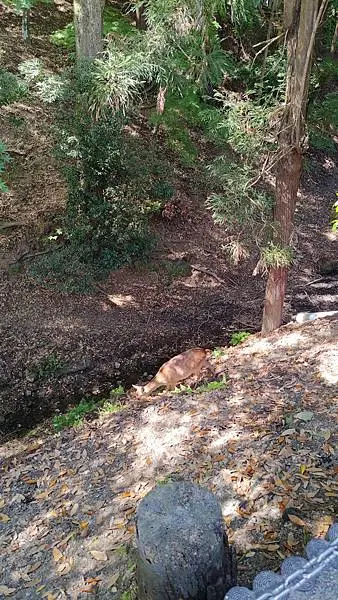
point(25, 24)
point(140, 18)
point(301, 18)
point(334, 39)
point(88, 23)
point(183, 550)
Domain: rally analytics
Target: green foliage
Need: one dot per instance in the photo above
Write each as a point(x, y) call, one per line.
point(75, 416)
point(43, 84)
point(4, 160)
point(324, 72)
point(114, 22)
point(12, 88)
point(218, 352)
point(324, 113)
point(238, 337)
point(107, 407)
point(211, 386)
point(245, 14)
point(321, 141)
point(334, 222)
point(235, 202)
point(65, 37)
point(275, 256)
point(50, 366)
point(118, 391)
point(106, 224)
point(65, 269)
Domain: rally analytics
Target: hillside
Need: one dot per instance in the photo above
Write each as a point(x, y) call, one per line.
point(264, 440)
point(56, 345)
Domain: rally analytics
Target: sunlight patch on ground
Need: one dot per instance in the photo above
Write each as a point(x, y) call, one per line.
point(232, 431)
point(328, 366)
point(122, 300)
point(162, 433)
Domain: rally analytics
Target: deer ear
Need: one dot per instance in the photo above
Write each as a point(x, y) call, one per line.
point(138, 388)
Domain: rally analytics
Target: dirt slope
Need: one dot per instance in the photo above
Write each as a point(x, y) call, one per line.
point(56, 347)
point(264, 443)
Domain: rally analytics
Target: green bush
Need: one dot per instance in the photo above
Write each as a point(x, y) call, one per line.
point(12, 88)
point(238, 337)
point(106, 222)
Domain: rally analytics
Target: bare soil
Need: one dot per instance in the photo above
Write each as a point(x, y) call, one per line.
point(140, 316)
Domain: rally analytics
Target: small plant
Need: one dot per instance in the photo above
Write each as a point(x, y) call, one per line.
point(238, 337)
point(218, 352)
point(50, 366)
point(16, 121)
point(212, 386)
point(164, 480)
point(117, 392)
point(11, 88)
point(75, 416)
point(109, 407)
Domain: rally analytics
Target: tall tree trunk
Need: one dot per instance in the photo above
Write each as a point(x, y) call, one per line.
point(88, 23)
point(334, 38)
point(25, 24)
point(140, 17)
point(301, 18)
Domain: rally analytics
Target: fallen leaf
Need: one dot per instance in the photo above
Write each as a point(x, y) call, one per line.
point(4, 518)
point(112, 580)
point(34, 567)
point(98, 555)
point(6, 591)
point(2, 502)
point(297, 520)
point(57, 555)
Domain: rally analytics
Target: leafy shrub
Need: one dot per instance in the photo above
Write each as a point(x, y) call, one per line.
point(106, 224)
point(66, 270)
point(12, 88)
point(321, 141)
point(235, 202)
point(45, 85)
point(238, 337)
point(325, 112)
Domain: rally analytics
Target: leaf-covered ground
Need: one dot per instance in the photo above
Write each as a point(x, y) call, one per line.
point(265, 444)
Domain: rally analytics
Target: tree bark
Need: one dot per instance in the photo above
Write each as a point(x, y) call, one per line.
point(301, 18)
point(140, 18)
point(25, 25)
point(183, 550)
point(334, 39)
point(88, 23)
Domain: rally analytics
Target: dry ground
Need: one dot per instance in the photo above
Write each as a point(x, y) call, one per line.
point(265, 443)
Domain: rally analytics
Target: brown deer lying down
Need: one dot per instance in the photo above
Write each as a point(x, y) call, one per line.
point(178, 368)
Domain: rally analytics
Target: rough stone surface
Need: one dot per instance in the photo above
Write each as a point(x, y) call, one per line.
point(313, 579)
point(182, 546)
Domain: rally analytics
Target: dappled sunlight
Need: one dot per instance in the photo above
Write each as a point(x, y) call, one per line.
point(123, 300)
point(331, 236)
point(328, 367)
